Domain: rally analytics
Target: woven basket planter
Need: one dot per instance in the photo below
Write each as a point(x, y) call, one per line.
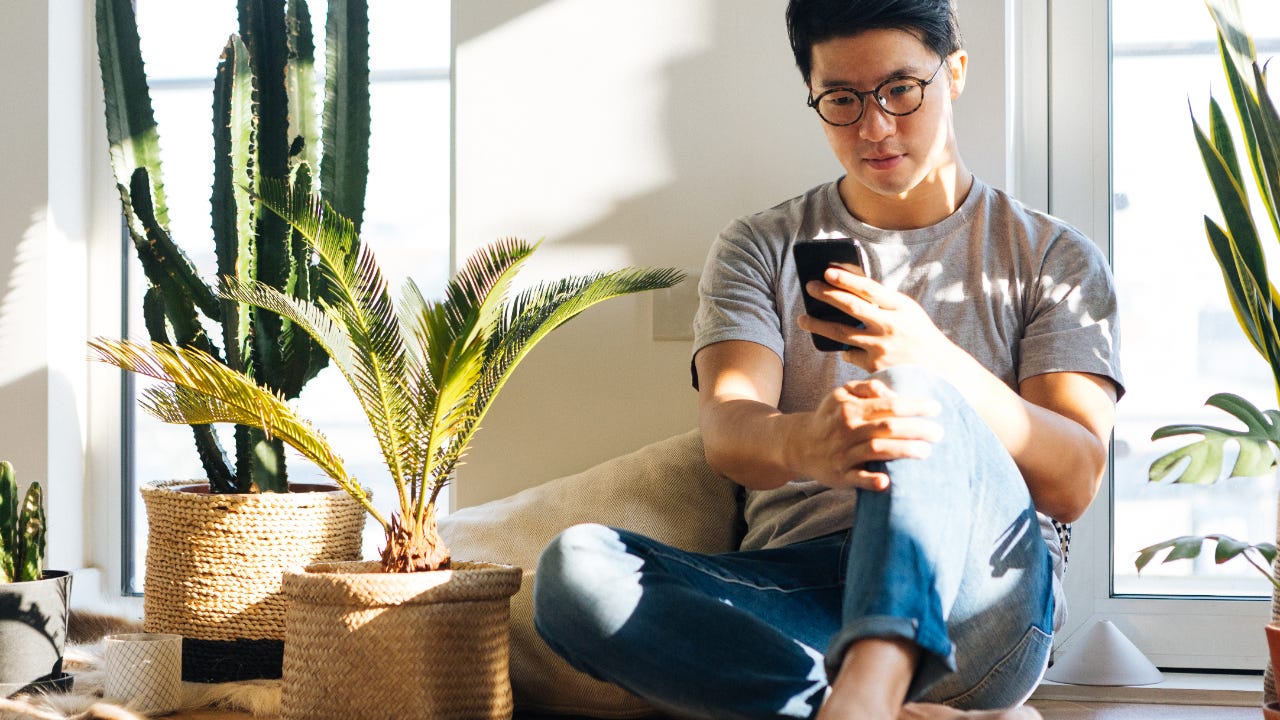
point(362, 644)
point(215, 566)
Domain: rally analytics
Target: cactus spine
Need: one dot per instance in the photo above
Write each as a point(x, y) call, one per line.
point(264, 127)
point(22, 529)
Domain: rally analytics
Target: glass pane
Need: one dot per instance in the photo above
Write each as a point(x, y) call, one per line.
point(406, 218)
point(1181, 340)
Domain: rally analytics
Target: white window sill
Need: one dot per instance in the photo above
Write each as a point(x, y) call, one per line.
point(1176, 689)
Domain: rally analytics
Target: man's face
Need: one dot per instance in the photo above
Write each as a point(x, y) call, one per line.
point(888, 155)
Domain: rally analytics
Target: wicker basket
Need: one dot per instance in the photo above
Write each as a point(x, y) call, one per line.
point(362, 644)
point(215, 564)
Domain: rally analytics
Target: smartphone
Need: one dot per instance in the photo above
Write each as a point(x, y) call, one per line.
point(813, 257)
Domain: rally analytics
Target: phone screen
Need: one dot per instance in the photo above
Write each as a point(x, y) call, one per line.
point(813, 257)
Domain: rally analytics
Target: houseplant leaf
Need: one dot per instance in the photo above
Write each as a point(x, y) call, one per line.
point(1204, 459)
point(1260, 555)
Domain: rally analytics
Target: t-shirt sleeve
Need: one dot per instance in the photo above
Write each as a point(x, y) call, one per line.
point(1074, 320)
point(736, 294)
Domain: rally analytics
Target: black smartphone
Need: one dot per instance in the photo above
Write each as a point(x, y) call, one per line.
point(813, 257)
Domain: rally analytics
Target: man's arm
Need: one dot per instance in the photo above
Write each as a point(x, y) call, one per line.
point(748, 440)
point(1056, 426)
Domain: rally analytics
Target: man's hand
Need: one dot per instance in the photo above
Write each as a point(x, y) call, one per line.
point(858, 423)
point(897, 332)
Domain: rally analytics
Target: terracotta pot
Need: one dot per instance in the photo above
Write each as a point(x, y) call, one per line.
point(1273, 643)
point(1268, 677)
point(361, 644)
point(215, 566)
point(1271, 711)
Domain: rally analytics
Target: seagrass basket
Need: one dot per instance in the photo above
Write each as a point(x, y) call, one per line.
point(361, 644)
point(215, 567)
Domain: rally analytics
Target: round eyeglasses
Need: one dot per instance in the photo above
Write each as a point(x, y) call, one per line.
point(899, 95)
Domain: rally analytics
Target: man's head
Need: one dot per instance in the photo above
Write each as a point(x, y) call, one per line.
point(809, 22)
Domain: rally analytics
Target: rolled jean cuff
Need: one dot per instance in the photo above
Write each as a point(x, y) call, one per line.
point(937, 658)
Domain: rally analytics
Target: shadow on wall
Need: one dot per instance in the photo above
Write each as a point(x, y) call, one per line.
point(638, 132)
point(24, 378)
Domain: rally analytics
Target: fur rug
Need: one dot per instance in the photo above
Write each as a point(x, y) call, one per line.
point(83, 659)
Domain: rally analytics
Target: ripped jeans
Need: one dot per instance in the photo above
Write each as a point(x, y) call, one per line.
point(950, 557)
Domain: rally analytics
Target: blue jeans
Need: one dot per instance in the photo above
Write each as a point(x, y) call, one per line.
point(950, 557)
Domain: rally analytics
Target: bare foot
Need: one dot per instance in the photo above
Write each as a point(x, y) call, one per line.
point(930, 711)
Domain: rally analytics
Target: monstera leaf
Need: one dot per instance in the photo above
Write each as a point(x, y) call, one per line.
point(1260, 555)
point(1205, 459)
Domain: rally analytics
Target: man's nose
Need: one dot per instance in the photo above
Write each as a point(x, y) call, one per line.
point(876, 124)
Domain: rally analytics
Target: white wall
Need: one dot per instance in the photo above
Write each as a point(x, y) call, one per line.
point(631, 133)
point(58, 218)
point(43, 262)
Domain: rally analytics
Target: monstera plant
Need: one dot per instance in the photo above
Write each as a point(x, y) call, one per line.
point(424, 372)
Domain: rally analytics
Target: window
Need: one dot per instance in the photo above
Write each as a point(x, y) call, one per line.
point(1124, 166)
point(1182, 342)
point(406, 218)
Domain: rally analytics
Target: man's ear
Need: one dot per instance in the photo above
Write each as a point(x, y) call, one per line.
point(958, 64)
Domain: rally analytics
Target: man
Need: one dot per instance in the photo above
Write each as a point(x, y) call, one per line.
point(899, 559)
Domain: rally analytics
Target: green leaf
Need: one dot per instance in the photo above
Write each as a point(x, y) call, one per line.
point(202, 391)
point(1204, 459)
point(1243, 297)
point(358, 300)
point(1235, 208)
point(1228, 548)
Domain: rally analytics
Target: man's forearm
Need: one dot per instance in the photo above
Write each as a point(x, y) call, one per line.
point(746, 441)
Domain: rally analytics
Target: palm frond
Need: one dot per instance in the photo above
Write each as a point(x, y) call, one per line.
point(200, 391)
point(361, 303)
point(531, 316)
point(332, 336)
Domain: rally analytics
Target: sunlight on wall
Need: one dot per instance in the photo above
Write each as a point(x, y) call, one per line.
point(612, 113)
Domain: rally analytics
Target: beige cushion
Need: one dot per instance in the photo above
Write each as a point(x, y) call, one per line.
point(664, 490)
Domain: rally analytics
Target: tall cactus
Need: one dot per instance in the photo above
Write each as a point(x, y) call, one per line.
point(264, 126)
point(21, 529)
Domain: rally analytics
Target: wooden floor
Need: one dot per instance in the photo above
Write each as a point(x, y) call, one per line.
point(1068, 710)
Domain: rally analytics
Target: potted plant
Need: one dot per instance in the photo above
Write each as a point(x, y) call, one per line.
point(1237, 247)
point(217, 549)
point(425, 374)
point(33, 601)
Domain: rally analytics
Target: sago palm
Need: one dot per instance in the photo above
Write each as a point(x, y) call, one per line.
point(424, 372)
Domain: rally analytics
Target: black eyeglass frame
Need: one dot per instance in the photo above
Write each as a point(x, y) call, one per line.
point(813, 102)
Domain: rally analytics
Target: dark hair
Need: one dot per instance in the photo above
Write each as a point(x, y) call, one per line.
point(813, 21)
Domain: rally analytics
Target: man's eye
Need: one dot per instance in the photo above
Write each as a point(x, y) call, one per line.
point(842, 99)
point(899, 87)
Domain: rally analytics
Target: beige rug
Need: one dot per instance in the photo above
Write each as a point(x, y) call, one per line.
point(83, 659)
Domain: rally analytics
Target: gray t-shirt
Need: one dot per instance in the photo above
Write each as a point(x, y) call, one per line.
point(1021, 291)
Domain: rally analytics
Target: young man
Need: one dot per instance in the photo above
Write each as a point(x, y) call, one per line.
point(900, 559)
